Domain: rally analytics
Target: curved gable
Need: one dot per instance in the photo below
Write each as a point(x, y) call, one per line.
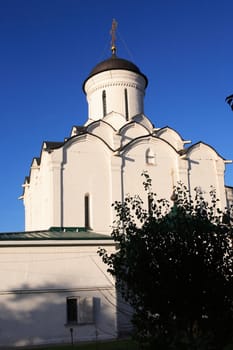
point(132, 131)
point(143, 120)
point(104, 131)
point(171, 136)
point(206, 170)
point(203, 151)
point(86, 138)
point(157, 157)
point(116, 120)
point(161, 146)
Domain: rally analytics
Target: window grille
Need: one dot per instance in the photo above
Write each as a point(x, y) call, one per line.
point(79, 310)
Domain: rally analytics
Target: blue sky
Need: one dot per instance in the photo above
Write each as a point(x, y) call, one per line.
point(48, 47)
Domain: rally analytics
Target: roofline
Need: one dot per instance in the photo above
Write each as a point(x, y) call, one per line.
point(55, 236)
point(189, 149)
point(139, 138)
point(57, 243)
point(170, 128)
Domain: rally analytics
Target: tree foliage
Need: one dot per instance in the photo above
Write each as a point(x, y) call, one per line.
point(229, 100)
point(173, 264)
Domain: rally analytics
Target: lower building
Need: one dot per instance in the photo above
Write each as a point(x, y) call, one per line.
point(55, 288)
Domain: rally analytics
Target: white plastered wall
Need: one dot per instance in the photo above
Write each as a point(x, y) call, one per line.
point(206, 171)
point(86, 171)
point(36, 280)
point(38, 195)
point(161, 164)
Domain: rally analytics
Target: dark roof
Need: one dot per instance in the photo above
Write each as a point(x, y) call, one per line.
point(113, 63)
point(37, 159)
point(27, 179)
point(53, 144)
point(80, 129)
point(54, 233)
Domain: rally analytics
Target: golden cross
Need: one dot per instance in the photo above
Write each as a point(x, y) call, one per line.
point(113, 35)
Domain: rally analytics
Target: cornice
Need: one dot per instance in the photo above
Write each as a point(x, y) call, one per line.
point(122, 83)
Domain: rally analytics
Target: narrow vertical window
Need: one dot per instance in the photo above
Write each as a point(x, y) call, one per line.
point(150, 157)
point(72, 311)
point(87, 211)
point(104, 103)
point(126, 105)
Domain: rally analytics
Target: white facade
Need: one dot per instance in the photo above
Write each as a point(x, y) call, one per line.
point(74, 182)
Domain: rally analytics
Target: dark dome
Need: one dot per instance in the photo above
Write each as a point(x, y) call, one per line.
point(115, 63)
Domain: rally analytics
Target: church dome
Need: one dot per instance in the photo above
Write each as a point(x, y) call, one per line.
point(114, 63)
point(115, 85)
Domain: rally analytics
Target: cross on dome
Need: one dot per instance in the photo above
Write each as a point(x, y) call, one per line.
point(113, 36)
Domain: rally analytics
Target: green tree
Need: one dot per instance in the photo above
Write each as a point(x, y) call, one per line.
point(173, 265)
point(229, 100)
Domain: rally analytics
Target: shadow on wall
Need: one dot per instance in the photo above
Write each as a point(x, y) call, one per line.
point(39, 316)
point(124, 316)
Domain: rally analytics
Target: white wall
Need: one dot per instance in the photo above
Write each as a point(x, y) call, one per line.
point(206, 170)
point(36, 280)
point(88, 164)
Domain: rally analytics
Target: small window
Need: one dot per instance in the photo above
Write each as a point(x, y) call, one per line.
point(150, 157)
point(72, 311)
point(104, 103)
point(79, 310)
point(87, 211)
point(126, 105)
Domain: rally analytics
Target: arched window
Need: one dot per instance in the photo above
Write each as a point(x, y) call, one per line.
point(87, 211)
point(104, 103)
point(126, 105)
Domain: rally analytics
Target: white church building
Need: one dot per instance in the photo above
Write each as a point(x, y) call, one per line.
point(54, 286)
point(74, 182)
